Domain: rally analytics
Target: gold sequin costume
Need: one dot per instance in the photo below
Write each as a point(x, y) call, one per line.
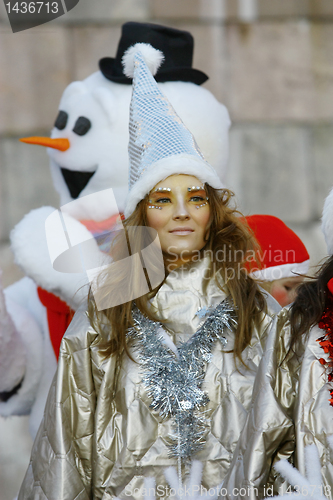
point(90, 446)
point(290, 411)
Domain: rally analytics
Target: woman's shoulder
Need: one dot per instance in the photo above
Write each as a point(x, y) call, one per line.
point(317, 344)
point(81, 352)
point(80, 334)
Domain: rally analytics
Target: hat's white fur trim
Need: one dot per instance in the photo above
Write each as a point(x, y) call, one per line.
point(284, 271)
point(176, 164)
point(153, 58)
point(327, 222)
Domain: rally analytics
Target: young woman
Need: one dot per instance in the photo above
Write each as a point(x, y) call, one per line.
point(297, 413)
point(166, 378)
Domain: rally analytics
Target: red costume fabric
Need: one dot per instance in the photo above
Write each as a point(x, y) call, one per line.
point(59, 316)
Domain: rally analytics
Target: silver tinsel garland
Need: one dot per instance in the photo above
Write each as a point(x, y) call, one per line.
point(173, 382)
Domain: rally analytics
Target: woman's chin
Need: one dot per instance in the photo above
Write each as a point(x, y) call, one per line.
point(173, 260)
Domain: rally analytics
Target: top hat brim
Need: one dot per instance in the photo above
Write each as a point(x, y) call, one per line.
point(110, 70)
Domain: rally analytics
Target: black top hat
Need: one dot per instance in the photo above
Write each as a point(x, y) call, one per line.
point(176, 45)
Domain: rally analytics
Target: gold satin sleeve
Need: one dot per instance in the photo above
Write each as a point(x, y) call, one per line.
point(268, 435)
point(63, 446)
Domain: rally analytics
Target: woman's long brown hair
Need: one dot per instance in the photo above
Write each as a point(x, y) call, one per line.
point(229, 237)
point(310, 302)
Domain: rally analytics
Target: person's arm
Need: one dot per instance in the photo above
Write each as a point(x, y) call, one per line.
point(61, 460)
point(268, 435)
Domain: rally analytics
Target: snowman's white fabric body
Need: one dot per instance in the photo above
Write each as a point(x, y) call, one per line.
point(95, 116)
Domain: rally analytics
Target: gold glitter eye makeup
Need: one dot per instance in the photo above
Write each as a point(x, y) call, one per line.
point(196, 188)
point(161, 201)
point(202, 204)
point(157, 190)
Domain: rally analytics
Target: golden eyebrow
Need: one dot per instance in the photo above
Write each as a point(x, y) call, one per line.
point(195, 189)
point(161, 191)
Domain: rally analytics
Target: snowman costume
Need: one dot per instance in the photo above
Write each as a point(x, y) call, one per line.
point(88, 154)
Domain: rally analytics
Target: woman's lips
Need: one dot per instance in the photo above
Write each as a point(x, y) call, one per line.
point(182, 231)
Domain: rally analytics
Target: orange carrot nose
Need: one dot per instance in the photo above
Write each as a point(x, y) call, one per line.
point(61, 144)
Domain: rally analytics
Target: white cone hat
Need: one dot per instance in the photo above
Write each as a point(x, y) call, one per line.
point(159, 145)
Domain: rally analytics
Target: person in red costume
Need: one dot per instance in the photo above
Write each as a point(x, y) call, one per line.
point(283, 258)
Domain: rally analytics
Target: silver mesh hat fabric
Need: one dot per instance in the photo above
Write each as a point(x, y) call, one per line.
point(156, 133)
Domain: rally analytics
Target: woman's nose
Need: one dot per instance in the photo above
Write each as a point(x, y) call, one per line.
point(181, 212)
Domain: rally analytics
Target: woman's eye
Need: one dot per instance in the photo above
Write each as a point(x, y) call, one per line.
point(197, 199)
point(163, 200)
point(288, 288)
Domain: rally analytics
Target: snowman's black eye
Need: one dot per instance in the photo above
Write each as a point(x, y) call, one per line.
point(82, 125)
point(61, 120)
